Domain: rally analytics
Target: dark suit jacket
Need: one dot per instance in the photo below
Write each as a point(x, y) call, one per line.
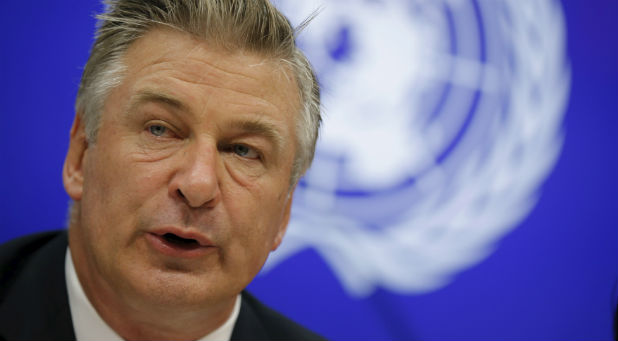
point(34, 304)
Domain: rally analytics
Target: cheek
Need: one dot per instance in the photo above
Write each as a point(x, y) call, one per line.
point(256, 218)
point(114, 190)
point(102, 203)
point(243, 172)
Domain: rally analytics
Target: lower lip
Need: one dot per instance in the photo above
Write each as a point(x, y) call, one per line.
point(170, 249)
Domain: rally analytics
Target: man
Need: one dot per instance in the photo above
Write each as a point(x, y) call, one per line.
point(194, 121)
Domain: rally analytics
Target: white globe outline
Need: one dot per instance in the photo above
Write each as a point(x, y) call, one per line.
point(471, 200)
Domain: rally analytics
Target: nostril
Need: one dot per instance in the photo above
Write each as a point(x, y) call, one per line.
point(194, 195)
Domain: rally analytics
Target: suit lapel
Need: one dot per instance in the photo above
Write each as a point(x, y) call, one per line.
point(248, 325)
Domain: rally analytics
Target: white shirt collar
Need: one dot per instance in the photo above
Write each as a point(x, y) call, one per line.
point(88, 325)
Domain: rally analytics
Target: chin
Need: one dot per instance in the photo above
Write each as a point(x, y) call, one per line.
point(170, 289)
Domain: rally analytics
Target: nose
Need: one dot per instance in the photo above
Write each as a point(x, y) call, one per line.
point(196, 179)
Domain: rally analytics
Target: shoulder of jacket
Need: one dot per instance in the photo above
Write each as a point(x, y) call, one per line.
point(15, 253)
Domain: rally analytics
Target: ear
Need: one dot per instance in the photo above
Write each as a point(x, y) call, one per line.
point(285, 219)
point(72, 172)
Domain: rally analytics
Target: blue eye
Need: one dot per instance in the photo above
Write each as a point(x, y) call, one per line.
point(241, 150)
point(244, 151)
point(157, 130)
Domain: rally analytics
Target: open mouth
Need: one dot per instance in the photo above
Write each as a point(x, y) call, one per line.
point(177, 241)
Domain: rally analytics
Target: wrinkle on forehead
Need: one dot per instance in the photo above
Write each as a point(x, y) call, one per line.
point(209, 83)
point(222, 79)
point(219, 60)
point(203, 47)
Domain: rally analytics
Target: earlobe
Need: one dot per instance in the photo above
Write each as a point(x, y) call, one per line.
point(72, 172)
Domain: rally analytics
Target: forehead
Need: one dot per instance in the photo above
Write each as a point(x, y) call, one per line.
point(197, 72)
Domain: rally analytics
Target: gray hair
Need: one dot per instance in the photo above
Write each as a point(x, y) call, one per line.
point(250, 25)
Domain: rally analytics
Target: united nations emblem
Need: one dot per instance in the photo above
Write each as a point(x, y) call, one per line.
point(442, 120)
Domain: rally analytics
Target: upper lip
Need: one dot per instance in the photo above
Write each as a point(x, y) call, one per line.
point(184, 233)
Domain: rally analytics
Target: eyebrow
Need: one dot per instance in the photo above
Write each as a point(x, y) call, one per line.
point(146, 96)
point(260, 127)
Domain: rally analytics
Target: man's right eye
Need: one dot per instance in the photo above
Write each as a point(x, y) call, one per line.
point(157, 130)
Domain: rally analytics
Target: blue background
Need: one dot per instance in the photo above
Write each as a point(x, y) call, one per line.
point(553, 277)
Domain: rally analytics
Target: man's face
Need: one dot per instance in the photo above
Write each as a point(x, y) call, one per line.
point(186, 190)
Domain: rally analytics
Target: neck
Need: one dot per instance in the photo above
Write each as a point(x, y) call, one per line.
point(138, 325)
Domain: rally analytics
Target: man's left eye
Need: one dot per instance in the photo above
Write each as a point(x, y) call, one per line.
point(244, 151)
